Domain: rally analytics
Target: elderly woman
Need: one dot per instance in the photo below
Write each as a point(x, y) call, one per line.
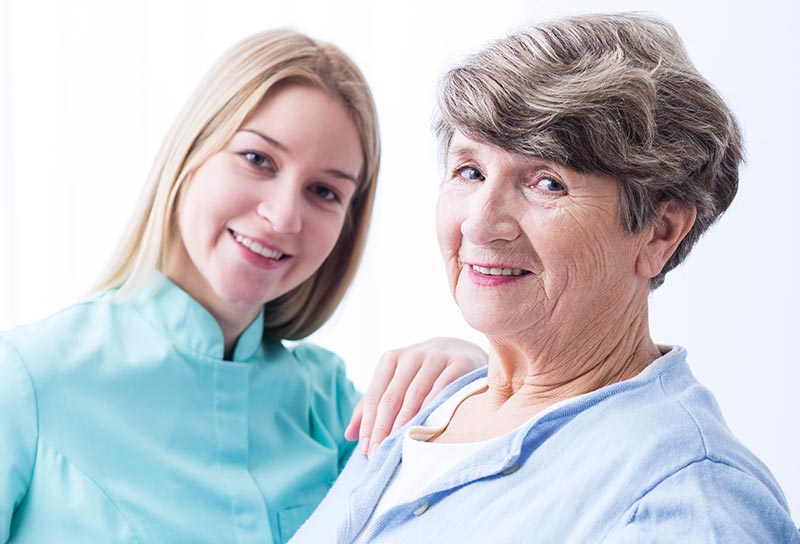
point(584, 158)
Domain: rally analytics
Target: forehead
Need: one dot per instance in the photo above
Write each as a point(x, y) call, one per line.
point(307, 121)
point(462, 147)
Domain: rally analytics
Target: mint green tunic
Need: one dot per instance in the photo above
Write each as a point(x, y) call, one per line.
point(120, 422)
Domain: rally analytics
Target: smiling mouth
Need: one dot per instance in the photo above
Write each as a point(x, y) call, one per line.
point(494, 271)
point(257, 248)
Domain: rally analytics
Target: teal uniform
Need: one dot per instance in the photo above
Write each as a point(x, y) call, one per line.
point(121, 422)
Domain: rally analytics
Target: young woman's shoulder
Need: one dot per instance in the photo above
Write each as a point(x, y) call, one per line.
point(316, 358)
point(325, 369)
point(60, 337)
point(333, 396)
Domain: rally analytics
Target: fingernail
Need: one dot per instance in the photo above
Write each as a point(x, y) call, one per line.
point(372, 450)
point(364, 446)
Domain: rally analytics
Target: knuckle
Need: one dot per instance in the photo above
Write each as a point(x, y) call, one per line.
point(390, 399)
point(388, 358)
point(405, 415)
point(417, 391)
point(380, 430)
point(372, 402)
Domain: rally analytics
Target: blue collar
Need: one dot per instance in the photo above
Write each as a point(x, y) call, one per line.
point(189, 325)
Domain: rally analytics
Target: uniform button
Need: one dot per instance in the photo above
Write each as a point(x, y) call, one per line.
point(421, 508)
point(511, 470)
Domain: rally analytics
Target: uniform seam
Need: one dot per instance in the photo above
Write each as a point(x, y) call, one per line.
point(27, 373)
point(105, 493)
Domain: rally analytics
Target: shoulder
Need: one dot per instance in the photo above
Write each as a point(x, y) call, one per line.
point(668, 415)
point(61, 331)
point(18, 432)
point(684, 461)
point(709, 501)
point(64, 350)
point(326, 373)
point(16, 385)
point(324, 367)
point(685, 413)
point(643, 432)
point(316, 358)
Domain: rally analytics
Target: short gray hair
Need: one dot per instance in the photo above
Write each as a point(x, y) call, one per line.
point(611, 94)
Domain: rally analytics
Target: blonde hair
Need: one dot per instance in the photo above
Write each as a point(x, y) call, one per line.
point(609, 93)
point(225, 98)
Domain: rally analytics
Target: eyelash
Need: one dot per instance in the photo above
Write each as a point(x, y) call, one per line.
point(258, 160)
point(459, 172)
point(264, 162)
point(554, 180)
point(317, 188)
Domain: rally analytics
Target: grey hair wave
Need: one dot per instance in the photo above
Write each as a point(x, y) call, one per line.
point(612, 94)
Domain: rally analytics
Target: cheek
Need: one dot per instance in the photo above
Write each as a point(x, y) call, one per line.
point(326, 233)
point(448, 228)
point(590, 252)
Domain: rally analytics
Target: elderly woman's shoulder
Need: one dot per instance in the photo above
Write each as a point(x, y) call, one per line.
point(665, 423)
point(668, 410)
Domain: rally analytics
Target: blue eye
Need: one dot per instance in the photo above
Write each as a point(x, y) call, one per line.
point(550, 185)
point(470, 173)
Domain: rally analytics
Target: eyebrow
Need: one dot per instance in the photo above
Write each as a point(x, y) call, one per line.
point(341, 175)
point(271, 141)
point(461, 151)
point(275, 143)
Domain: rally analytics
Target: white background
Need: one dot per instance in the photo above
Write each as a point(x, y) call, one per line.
point(88, 89)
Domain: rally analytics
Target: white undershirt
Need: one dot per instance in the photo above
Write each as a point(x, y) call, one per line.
point(423, 462)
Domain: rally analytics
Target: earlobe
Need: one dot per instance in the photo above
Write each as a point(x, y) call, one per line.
point(670, 226)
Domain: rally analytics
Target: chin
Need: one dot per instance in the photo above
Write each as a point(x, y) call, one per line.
point(489, 323)
point(239, 295)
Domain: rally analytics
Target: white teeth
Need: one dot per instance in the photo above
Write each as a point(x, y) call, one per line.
point(255, 247)
point(497, 271)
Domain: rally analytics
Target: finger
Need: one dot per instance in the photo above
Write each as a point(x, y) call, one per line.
point(351, 432)
point(392, 399)
point(450, 374)
point(419, 389)
point(384, 372)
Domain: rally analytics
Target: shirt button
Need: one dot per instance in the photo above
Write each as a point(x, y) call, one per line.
point(511, 470)
point(421, 508)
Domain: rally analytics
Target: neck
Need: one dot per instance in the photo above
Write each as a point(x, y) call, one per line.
point(232, 320)
point(533, 371)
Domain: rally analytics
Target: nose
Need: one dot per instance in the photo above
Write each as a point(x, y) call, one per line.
point(490, 214)
point(281, 206)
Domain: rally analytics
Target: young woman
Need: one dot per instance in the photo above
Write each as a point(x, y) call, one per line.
point(165, 408)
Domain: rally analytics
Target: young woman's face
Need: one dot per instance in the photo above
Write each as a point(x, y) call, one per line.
point(260, 216)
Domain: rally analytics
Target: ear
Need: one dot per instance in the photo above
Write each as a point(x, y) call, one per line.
point(669, 227)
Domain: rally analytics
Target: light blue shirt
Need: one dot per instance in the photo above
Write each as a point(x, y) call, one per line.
point(648, 460)
point(120, 422)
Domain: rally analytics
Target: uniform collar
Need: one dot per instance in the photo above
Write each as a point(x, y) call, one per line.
point(189, 325)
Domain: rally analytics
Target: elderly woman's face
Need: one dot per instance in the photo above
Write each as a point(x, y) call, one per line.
point(530, 245)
